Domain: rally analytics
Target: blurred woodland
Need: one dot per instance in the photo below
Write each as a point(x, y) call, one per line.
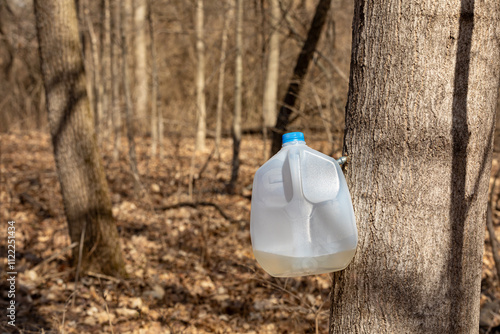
point(183, 228)
point(322, 99)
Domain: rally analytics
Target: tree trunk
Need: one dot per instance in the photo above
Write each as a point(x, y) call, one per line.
point(115, 77)
point(201, 132)
point(125, 14)
point(272, 74)
point(141, 70)
point(88, 61)
point(156, 115)
point(419, 134)
point(299, 72)
point(105, 87)
point(96, 77)
point(83, 184)
point(220, 93)
point(237, 97)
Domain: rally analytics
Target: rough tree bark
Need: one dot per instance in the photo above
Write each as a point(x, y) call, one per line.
point(141, 69)
point(238, 75)
point(96, 74)
point(201, 111)
point(270, 98)
point(419, 134)
point(299, 72)
point(83, 184)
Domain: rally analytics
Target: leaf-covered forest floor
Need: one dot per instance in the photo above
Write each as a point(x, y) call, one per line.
point(191, 268)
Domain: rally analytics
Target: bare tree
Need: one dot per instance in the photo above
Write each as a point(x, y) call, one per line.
point(237, 97)
point(115, 77)
point(124, 32)
point(272, 74)
point(141, 70)
point(419, 133)
point(96, 83)
point(200, 78)
point(220, 92)
point(156, 114)
point(83, 184)
point(299, 72)
point(105, 62)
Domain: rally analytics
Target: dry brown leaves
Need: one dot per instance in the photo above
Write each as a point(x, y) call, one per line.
point(191, 270)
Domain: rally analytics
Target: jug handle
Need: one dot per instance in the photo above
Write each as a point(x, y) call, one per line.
point(294, 161)
point(298, 196)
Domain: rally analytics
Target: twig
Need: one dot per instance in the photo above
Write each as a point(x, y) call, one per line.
point(318, 312)
point(278, 287)
point(300, 39)
point(106, 305)
point(333, 65)
point(106, 277)
point(53, 256)
point(64, 311)
point(323, 118)
point(195, 205)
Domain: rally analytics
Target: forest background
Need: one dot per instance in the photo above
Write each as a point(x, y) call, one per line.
point(190, 264)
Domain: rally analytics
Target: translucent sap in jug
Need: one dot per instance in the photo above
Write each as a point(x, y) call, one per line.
point(302, 221)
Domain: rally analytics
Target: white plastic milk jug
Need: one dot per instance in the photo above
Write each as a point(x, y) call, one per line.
point(301, 221)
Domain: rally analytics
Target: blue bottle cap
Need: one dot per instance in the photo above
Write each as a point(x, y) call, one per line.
point(291, 136)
